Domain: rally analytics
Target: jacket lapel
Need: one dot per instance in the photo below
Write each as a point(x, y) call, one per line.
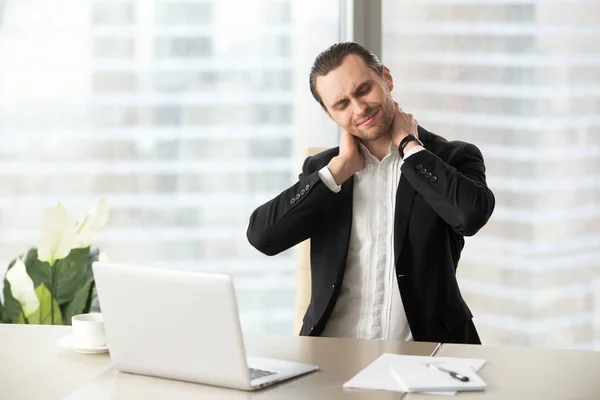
point(342, 228)
point(404, 201)
point(405, 196)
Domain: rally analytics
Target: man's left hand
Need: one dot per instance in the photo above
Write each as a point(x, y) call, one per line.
point(403, 125)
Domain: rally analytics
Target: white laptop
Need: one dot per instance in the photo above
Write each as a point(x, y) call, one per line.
point(181, 325)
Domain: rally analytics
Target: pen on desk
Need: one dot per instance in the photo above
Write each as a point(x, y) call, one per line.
point(453, 374)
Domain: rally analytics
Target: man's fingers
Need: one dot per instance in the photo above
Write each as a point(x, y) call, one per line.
point(412, 124)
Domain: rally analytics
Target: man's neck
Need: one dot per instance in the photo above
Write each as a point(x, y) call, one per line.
point(380, 147)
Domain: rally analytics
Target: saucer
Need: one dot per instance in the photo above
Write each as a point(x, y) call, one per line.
point(66, 342)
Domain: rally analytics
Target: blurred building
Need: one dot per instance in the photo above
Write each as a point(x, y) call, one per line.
point(185, 114)
point(518, 79)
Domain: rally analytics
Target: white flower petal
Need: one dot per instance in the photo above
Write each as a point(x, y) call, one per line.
point(21, 287)
point(58, 235)
point(92, 224)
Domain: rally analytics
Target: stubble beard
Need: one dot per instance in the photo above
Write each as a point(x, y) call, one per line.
point(380, 130)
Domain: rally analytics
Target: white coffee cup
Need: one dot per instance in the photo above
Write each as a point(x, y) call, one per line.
point(88, 331)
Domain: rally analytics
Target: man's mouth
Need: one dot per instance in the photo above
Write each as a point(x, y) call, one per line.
point(369, 119)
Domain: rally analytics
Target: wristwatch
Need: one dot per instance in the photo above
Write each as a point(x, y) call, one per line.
point(405, 141)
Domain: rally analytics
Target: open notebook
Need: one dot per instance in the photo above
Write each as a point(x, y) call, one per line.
point(410, 374)
point(417, 376)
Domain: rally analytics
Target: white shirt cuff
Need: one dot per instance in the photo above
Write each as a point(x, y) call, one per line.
point(412, 151)
point(327, 178)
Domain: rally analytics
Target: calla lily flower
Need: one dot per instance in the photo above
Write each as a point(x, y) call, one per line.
point(21, 287)
point(92, 224)
point(58, 236)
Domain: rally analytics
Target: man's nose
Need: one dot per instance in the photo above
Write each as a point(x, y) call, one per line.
point(360, 107)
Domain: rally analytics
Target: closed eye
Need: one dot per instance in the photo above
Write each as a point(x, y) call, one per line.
point(342, 106)
point(363, 91)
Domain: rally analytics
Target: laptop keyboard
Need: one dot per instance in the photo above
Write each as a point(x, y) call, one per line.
point(259, 373)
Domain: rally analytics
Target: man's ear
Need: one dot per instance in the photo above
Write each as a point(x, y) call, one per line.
point(387, 76)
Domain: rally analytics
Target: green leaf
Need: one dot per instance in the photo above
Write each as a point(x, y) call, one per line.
point(43, 315)
point(38, 271)
point(1, 312)
point(80, 302)
point(73, 273)
point(12, 308)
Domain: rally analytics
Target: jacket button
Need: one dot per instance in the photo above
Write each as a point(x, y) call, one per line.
point(292, 200)
point(297, 197)
point(302, 192)
point(428, 175)
point(433, 179)
point(419, 166)
point(307, 187)
point(423, 171)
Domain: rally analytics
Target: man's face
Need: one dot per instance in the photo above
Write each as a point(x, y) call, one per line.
point(358, 99)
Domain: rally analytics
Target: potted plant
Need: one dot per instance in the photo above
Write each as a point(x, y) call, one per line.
point(54, 281)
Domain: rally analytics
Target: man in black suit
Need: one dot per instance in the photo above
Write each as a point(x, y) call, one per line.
point(386, 212)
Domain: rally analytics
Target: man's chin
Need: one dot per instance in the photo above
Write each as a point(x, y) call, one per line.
point(371, 136)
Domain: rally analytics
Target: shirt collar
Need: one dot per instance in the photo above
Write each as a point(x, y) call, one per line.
point(370, 158)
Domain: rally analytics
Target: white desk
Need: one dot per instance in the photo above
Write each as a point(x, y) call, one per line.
point(33, 367)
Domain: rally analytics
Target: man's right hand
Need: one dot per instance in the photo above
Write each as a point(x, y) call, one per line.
point(349, 161)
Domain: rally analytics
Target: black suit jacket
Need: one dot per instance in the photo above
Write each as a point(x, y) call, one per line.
point(442, 197)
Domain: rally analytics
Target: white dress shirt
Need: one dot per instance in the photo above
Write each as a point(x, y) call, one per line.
point(369, 305)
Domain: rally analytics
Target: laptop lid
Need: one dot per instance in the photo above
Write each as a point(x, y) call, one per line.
point(173, 324)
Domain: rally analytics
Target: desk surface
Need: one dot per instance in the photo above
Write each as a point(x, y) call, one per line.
point(32, 366)
point(525, 373)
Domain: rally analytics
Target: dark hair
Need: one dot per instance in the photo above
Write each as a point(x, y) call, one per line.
point(332, 57)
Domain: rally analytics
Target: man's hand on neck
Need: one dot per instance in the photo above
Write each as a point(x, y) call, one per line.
point(349, 161)
point(403, 125)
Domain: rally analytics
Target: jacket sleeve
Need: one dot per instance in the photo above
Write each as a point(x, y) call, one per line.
point(456, 190)
point(292, 216)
